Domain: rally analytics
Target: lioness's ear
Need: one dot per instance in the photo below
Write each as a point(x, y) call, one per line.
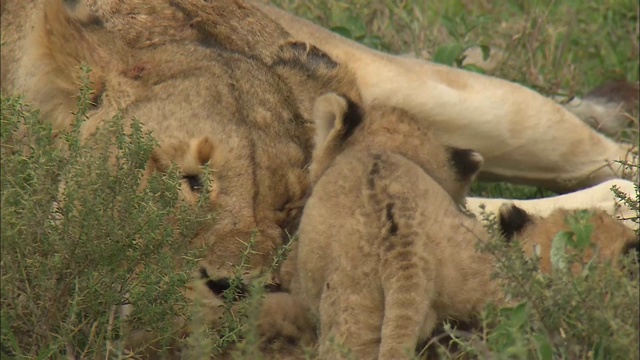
point(512, 220)
point(466, 162)
point(335, 117)
point(202, 150)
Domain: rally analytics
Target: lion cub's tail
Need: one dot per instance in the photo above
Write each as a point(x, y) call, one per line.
point(407, 275)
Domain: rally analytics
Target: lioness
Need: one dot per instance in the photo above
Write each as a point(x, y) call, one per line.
point(208, 98)
point(384, 249)
point(523, 136)
point(243, 114)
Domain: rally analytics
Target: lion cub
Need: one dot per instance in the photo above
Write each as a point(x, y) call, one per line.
point(610, 236)
point(384, 252)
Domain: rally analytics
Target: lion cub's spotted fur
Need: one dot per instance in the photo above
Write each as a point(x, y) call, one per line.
point(384, 252)
point(535, 233)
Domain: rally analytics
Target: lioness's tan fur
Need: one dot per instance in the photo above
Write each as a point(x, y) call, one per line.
point(249, 106)
point(244, 114)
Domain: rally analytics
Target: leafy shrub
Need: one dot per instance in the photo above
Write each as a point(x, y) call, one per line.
point(83, 235)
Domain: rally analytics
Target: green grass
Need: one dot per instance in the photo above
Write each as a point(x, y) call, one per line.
point(550, 45)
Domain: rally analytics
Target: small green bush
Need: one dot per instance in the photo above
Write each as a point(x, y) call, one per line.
point(82, 236)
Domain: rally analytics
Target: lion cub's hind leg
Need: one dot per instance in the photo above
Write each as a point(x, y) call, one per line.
point(350, 318)
point(407, 271)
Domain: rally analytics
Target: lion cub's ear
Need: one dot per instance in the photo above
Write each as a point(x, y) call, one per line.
point(335, 118)
point(466, 162)
point(512, 220)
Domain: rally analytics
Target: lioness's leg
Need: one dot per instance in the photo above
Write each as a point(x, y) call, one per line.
point(523, 136)
point(235, 25)
point(599, 196)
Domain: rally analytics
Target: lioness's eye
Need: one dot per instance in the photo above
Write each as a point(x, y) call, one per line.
point(194, 182)
point(219, 286)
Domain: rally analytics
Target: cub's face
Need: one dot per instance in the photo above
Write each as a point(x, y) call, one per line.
point(612, 238)
point(341, 124)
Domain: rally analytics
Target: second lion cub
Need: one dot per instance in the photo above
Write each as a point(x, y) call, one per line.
point(384, 252)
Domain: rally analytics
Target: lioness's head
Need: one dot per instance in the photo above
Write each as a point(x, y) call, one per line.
point(341, 124)
point(536, 234)
point(257, 179)
point(210, 109)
